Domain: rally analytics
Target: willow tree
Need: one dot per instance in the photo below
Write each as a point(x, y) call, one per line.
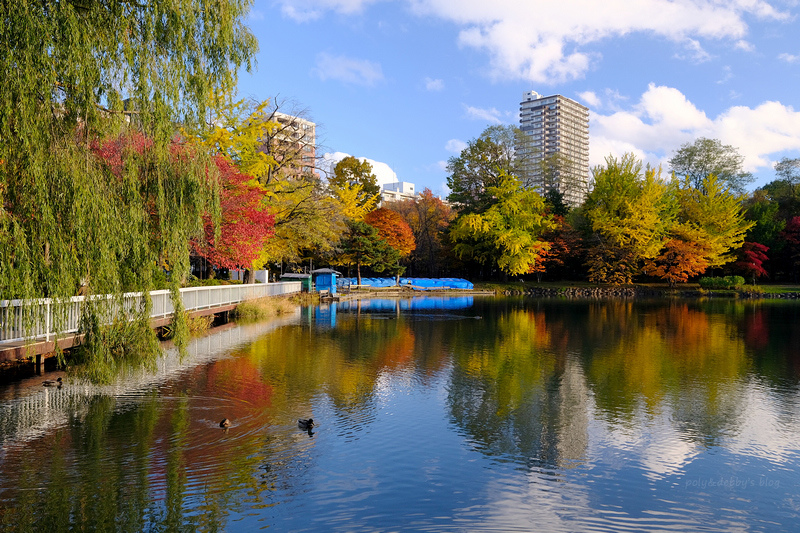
point(76, 74)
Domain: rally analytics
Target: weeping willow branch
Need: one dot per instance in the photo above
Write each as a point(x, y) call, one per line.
point(89, 202)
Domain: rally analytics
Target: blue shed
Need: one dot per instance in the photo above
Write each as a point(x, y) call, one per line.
point(325, 279)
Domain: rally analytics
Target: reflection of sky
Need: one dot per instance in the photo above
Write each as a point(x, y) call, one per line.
point(648, 476)
point(650, 473)
point(425, 303)
point(769, 429)
point(391, 453)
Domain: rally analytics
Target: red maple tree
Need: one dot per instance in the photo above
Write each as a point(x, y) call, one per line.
point(245, 223)
point(752, 256)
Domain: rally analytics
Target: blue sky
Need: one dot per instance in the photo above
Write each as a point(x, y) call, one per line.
point(406, 83)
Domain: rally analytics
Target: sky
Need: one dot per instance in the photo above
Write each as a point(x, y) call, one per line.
point(406, 83)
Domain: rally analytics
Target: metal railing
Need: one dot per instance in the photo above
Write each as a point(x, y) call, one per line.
point(38, 320)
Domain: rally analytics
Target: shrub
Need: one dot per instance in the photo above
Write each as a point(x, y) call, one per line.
point(734, 282)
point(728, 282)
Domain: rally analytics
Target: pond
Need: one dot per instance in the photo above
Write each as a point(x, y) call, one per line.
point(432, 414)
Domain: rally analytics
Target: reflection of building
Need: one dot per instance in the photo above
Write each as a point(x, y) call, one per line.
point(399, 190)
point(557, 156)
point(574, 400)
point(295, 140)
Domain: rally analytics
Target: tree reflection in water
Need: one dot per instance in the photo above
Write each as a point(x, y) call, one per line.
point(531, 384)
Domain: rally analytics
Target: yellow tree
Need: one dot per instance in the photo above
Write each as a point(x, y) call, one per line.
point(629, 212)
point(508, 232)
point(274, 148)
point(713, 216)
point(709, 226)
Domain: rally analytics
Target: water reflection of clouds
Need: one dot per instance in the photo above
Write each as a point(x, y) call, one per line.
point(766, 430)
point(655, 444)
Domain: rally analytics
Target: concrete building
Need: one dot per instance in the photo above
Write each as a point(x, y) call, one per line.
point(557, 155)
point(397, 191)
point(294, 144)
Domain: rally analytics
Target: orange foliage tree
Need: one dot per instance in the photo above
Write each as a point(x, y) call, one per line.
point(678, 261)
point(566, 255)
point(428, 217)
point(393, 229)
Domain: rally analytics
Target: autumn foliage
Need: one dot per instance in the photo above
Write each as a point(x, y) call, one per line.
point(392, 228)
point(678, 261)
point(752, 257)
point(429, 218)
point(245, 224)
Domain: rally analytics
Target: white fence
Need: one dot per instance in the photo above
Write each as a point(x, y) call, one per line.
point(35, 320)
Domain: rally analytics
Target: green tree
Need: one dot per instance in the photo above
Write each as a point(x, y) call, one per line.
point(629, 213)
point(789, 172)
point(484, 163)
point(763, 211)
point(554, 200)
point(362, 246)
point(507, 233)
point(703, 157)
point(80, 73)
point(352, 171)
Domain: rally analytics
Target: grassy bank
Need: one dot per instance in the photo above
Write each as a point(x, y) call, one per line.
point(267, 307)
point(521, 287)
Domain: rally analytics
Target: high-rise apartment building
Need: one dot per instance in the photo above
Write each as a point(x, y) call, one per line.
point(292, 144)
point(557, 154)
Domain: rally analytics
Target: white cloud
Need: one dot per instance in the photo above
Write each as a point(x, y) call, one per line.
point(789, 58)
point(550, 42)
point(693, 52)
point(488, 115)
point(382, 171)
point(306, 10)
point(348, 70)
point(455, 146)
point(664, 118)
point(727, 74)
point(434, 85)
point(442, 165)
point(590, 97)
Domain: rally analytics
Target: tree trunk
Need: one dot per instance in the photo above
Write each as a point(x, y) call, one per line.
point(248, 276)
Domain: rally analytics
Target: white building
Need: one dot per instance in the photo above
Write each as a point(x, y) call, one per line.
point(397, 191)
point(559, 134)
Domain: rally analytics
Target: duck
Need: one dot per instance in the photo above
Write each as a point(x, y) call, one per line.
point(52, 383)
point(225, 423)
point(305, 423)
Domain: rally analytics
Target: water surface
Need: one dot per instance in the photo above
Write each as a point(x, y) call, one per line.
point(433, 414)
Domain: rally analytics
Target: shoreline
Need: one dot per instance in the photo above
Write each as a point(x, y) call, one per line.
point(635, 291)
